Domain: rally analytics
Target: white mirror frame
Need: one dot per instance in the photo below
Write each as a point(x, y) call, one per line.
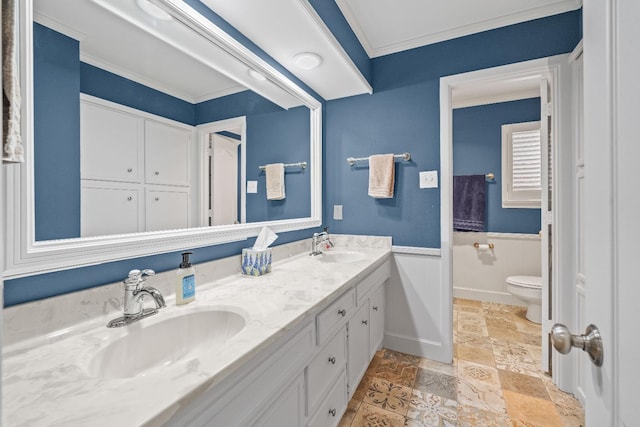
point(26, 256)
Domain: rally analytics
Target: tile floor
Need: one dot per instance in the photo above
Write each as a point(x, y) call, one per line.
point(494, 379)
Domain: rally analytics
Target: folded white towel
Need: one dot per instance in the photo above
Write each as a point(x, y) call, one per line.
point(275, 181)
point(381, 176)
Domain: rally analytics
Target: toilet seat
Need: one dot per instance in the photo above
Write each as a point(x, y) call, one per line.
point(533, 282)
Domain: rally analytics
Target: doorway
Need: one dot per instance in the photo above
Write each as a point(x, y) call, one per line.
point(222, 164)
point(498, 84)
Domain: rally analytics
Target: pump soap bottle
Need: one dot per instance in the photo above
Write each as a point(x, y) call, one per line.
point(186, 283)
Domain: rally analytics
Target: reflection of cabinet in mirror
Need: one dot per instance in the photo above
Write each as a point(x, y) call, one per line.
point(135, 170)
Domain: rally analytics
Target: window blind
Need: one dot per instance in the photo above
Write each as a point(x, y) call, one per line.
point(526, 164)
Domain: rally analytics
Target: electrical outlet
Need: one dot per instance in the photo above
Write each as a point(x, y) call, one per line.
point(429, 179)
point(252, 187)
point(337, 212)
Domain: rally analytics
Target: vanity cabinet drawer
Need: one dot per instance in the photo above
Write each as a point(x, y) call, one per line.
point(332, 408)
point(335, 315)
point(326, 367)
point(372, 281)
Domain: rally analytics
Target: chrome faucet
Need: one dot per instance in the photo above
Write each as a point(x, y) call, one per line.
point(318, 238)
point(134, 299)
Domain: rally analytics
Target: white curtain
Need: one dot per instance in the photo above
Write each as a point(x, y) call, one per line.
point(12, 149)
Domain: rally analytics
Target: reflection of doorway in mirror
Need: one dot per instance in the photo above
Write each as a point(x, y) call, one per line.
point(223, 176)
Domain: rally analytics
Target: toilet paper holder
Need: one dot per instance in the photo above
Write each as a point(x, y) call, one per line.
point(483, 246)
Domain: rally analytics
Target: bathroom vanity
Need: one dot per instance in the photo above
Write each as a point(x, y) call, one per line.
point(284, 349)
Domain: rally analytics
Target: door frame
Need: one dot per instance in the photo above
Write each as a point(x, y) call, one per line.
point(557, 70)
point(203, 140)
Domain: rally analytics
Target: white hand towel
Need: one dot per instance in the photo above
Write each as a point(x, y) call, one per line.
point(275, 181)
point(381, 176)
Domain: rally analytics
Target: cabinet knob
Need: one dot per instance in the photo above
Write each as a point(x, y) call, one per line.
point(333, 412)
point(375, 308)
point(157, 199)
point(332, 360)
point(130, 170)
point(157, 173)
point(365, 322)
point(342, 312)
point(129, 198)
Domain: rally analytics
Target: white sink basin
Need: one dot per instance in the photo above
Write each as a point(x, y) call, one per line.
point(341, 257)
point(166, 342)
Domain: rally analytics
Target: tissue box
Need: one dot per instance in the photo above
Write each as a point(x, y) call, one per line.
point(256, 262)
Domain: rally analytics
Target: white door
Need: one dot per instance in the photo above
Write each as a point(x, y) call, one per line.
point(224, 180)
point(611, 207)
point(546, 214)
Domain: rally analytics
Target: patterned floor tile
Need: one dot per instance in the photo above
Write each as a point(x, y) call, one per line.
point(461, 302)
point(510, 334)
point(468, 328)
point(372, 416)
point(470, 416)
point(428, 400)
point(480, 395)
point(388, 396)
point(443, 368)
point(395, 372)
point(477, 372)
point(350, 413)
point(362, 388)
point(432, 410)
point(524, 384)
point(532, 410)
point(475, 354)
point(437, 383)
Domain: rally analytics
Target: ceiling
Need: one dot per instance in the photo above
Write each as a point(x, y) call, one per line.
point(118, 36)
point(284, 28)
point(384, 26)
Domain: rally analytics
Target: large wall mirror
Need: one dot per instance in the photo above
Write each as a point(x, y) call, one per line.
point(147, 129)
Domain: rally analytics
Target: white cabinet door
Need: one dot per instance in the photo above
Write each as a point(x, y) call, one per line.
point(166, 154)
point(358, 345)
point(106, 211)
point(287, 410)
point(376, 318)
point(166, 210)
point(110, 144)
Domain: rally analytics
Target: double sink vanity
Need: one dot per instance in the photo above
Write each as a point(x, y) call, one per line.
point(284, 349)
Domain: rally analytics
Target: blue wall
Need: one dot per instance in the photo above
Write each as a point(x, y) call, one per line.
point(56, 134)
point(477, 150)
point(333, 18)
point(403, 114)
point(112, 87)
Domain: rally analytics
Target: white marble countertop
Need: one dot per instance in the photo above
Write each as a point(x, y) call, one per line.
point(49, 384)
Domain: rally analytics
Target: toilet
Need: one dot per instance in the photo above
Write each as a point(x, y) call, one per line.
point(529, 290)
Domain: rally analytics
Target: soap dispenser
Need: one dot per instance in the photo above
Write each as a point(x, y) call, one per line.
point(186, 281)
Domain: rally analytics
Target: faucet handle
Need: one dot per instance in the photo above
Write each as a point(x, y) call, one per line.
point(136, 277)
point(326, 229)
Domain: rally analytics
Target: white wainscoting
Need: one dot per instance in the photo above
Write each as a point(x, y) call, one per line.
point(419, 312)
point(480, 274)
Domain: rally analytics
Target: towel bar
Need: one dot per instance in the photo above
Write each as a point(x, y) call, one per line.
point(302, 165)
point(404, 156)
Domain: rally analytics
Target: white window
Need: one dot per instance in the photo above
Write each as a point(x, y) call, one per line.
point(521, 165)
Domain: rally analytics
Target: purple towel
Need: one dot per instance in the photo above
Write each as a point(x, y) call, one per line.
point(469, 202)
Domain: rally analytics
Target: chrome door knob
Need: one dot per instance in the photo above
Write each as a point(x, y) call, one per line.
point(591, 341)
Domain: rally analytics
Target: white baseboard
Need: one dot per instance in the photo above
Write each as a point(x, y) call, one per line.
point(417, 347)
point(487, 296)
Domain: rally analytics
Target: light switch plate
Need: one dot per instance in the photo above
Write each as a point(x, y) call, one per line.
point(337, 212)
point(252, 186)
point(429, 179)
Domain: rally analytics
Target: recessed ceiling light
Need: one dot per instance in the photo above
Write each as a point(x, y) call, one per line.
point(154, 10)
point(256, 75)
point(307, 60)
